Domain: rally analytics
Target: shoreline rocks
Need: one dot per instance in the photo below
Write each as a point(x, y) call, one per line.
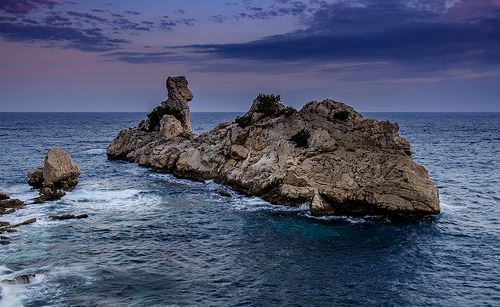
point(326, 155)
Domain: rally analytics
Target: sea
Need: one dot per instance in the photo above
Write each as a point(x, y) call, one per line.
point(151, 239)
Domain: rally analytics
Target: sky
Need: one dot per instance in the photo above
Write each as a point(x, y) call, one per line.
point(377, 56)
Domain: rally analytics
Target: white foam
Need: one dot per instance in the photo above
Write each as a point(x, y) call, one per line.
point(96, 151)
point(12, 296)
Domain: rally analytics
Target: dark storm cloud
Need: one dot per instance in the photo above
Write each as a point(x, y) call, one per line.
point(42, 21)
point(24, 6)
point(145, 57)
point(86, 40)
point(379, 31)
point(281, 8)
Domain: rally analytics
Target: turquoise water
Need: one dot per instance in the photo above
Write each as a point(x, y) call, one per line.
point(154, 240)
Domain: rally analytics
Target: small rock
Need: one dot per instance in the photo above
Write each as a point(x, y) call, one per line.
point(68, 216)
point(4, 242)
point(223, 193)
point(19, 280)
point(30, 221)
point(4, 196)
point(48, 194)
point(2, 224)
point(3, 211)
point(11, 203)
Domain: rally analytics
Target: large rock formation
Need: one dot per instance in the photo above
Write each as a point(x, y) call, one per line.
point(325, 155)
point(58, 173)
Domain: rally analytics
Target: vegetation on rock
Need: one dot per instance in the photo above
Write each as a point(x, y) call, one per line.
point(342, 115)
point(244, 121)
point(301, 138)
point(268, 104)
point(288, 111)
point(157, 114)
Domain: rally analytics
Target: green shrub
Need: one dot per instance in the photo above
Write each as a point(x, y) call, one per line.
point(301, 138)
point(288, 111)
point(157, 114)
point(244, 121)
point(268, 104)
point(342, 115)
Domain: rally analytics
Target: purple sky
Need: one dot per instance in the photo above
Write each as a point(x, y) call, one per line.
point(408, 55)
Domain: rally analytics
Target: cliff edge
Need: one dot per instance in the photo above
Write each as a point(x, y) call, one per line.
point(326, 155)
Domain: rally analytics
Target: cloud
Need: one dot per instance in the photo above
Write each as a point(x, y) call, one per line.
point(145, 57)
point(45, 21)
point(91, 40)
point(274, 10)
point(24, 6)
point(408, 34)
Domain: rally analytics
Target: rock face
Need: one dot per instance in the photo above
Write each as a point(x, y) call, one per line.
point(59, 173)
point(325, 155)
point(178, 97)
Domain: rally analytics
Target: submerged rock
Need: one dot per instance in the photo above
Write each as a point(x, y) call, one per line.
point(224, 193)
point(68, 216)
point(19, 280)
point(326, 155)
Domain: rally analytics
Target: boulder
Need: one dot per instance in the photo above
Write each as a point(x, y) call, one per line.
point(326, 155)
point(4, 196)
point(60, 169)
point(58, 173)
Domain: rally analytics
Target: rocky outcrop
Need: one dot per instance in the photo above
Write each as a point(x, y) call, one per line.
point(58, 173)
point(178, 97)
point(326, 155)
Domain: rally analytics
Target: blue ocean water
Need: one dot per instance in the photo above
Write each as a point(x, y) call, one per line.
point(154, 240)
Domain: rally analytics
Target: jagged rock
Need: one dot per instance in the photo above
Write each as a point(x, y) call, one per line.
point(178, 97)
point(19, 280)
point(68, 216)
point(345, 164)
point(4, 196)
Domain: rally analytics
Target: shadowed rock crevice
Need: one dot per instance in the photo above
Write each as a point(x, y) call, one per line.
point(326, 155)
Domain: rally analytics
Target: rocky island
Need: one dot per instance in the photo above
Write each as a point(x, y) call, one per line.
point(326, 155)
